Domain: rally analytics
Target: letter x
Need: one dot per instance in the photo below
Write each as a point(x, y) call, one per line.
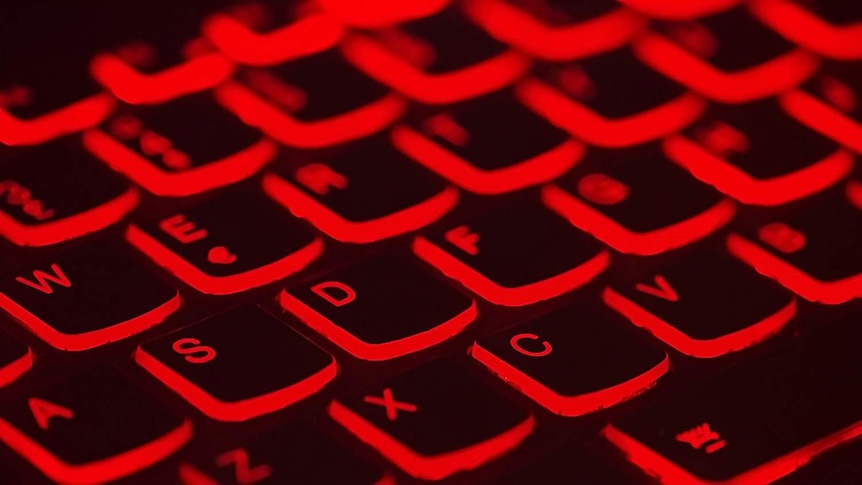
point(392, 406)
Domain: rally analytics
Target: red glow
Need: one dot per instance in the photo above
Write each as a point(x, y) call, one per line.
point(506, 296)
point(430, 467)
point(677, 10)
point(822, 118)
point(584, 123)
point(15, 369)
point(69, 119)
point(541, 168)
point(623, 240)
point(100, 471)
point(569, 406)
point(221, 285)
point(304, 206)
point(236, 410)
point(854, 193)
point(511, 25)
point(381, 351)
point(716, 347)
point(734, 182)
point(69, 227)
point(233, 168)
point(373, 14)
point(383, 65)
point(279, 125)
point(779, 74)
point(800, 26)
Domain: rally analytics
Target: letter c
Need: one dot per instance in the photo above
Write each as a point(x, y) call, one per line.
point(515, 342)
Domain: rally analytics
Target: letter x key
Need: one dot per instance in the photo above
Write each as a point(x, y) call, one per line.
point(392, 406)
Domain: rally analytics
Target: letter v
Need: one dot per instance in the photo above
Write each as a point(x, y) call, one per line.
point(662, 289)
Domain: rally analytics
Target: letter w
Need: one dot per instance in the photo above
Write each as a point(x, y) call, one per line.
point(42, 280)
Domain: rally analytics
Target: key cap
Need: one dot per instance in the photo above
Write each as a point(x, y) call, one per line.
point(637, 202)
point(227, 244)
point(380, 308)
point(754, 422)
point(303, 103)
point(92, 427)
point(292, 453)
point(15, 359)
point(266, 32)
point(835, 467)
point(728, 57)
point(555, 30)
point(812, 251)
point(426, 60)
point(573, 462)
point(533, 358)
point(374, 14)
point(704, 306)
point(515, 255)
point(434, 420)
point(156, 148)
point(758, 155)
point(594, 100)
point(87, 296)
point(832, 29)
point(58, 191)
point(673, 9)
point(236, 376)
point(367, 192)
point(490, 145)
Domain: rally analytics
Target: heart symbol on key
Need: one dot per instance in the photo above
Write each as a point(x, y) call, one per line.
point(220, 255)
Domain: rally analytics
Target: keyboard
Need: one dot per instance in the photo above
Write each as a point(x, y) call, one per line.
point(453, 241)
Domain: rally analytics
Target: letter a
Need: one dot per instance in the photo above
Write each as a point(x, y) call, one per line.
point(43, 411)
point(320, 290)
point(43, 278)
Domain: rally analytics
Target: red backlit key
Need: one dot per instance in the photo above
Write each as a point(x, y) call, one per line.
point(369, 191)
point(265, 32)
point(380, 308)
point(534, 357)
point(557, 30)
point(426, 59)
point(228, 244)
point(87, 296)
point(759, 155)
point(92, 427)
point(304, 103)
point(638, 202)
point(728, 57)
point(750, 424)
point(235, 376)
point(814, 251)
point(516, 255)
point(674, 9)
point(434, 420)
point(15, 359)
point(705, 306)
point(58, 191)
point(573, 462)
point(831, 28)
point(595, 100)
point(490, 145)
point(380, 13)
point(170, 150)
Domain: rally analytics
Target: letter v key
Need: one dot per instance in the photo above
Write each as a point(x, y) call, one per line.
point(662, 289)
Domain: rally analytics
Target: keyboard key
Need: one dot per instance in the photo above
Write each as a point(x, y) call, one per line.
point(674, 9)
point(434, 421)
point(812, 251)
point(92, 427)
point(426, 60)
point(15, 359)
point(85, 297)
point(236, 376)
point(56, 192)
point(754, 422)
point(832, 29)
point(594, 100)
point(264, 32)
point(227, 244)
point(705, 306)
point(728, 57)
point(303, 103)
point(490, 145)
point(380, 308)
point(573, 462)
point(370, 191)
point(555, 30)
point(380, 13)
point(758, 155)
point(515, 255)
point(638, 202)
point(295, 453)
point(156, 148)
point(534, 357)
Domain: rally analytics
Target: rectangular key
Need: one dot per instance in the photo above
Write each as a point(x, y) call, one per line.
point(757, 421)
